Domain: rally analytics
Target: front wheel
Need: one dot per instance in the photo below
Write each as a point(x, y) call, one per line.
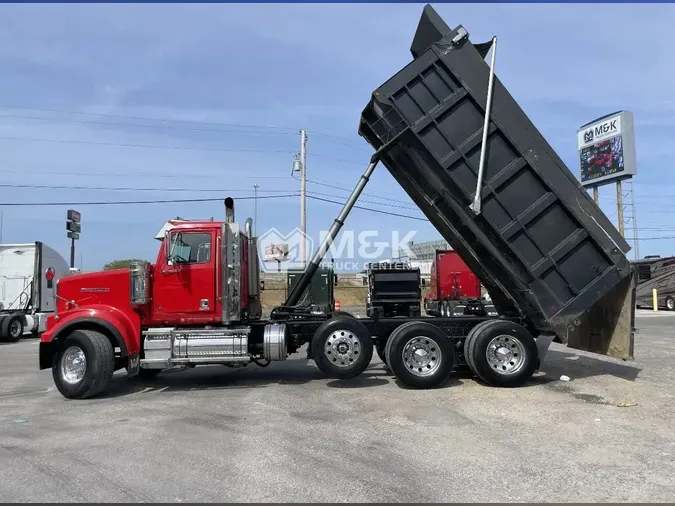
point(342, 347)
point(420, 355)
point(84, 364)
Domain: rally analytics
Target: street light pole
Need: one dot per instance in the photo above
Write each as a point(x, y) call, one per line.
point(255, 209)
point(303, 195)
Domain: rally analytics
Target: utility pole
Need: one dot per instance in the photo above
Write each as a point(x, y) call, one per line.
point(255, 209)
point(303, 196)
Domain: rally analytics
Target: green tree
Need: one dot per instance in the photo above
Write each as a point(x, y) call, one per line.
point(119, 264)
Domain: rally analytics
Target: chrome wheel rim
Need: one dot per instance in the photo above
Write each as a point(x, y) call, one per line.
point(15, 329)
point(670, 303)
point(505, 354)
point(342, 348)
point(73, 365)
point(422, 356)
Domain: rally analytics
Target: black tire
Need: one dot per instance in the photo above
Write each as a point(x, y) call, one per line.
point(420, 374)
point(12, 328)
point(511, 370)
point(468, 342)
point(354, 341)
point(99, 356)
point(670, 303)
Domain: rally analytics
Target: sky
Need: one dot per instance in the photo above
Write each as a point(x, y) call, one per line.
point(126, 102)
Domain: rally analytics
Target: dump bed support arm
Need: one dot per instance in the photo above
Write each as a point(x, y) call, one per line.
point(313, 265)
point(478, 197)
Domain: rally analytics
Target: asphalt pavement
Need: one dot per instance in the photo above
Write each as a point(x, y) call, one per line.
point(287, 434)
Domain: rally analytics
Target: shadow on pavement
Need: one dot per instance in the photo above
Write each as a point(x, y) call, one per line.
point(580, 366)
point(292, 372)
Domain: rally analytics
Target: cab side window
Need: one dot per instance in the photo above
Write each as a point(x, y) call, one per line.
point(190, 248)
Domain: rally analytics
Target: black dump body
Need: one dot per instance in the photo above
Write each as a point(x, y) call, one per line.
point(541, 246)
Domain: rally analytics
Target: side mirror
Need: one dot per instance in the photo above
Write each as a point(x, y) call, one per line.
point(262, 285)
point(335, 279)
point(167, 248)
point(424, 282)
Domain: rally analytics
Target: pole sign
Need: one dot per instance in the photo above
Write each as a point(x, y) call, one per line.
point(73, 224)
point(606, 149)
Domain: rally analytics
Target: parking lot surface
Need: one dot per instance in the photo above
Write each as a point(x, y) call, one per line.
point(287, 434)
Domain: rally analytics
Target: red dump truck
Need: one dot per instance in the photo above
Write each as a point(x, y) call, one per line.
point(453, 289)
point(457, 142)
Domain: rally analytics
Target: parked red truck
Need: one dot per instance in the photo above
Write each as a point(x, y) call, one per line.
point(554, 264)
point(454, 290)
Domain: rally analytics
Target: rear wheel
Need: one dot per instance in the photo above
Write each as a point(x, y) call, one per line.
point(12, 328)
point(470, 339)
point(670, 303)
point(342, 347)
point(420, 355)
point(84, 364)
point(501, 353)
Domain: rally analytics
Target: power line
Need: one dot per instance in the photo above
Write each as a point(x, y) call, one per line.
point(124, 145)
point(114, 123)
point(137, 174)
point(342, 188)
point(146, 118)
point(289, 130)
point(156, 146)
point(120, 202)
point(155, 189)
point(369, 209)
point(131, 189)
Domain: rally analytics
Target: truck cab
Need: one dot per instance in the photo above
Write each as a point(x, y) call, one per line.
point(194, 304)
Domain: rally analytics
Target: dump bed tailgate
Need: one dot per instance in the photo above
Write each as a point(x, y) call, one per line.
point(540, 245)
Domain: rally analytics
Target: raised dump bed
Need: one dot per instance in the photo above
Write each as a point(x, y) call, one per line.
point(539, 243)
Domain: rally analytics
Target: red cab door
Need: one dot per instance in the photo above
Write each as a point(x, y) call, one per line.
point(185, 283)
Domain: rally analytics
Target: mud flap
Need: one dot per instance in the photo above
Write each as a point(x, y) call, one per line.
point(608, 328)
point(133, 365)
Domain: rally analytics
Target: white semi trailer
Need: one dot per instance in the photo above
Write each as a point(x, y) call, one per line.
point(29, 274)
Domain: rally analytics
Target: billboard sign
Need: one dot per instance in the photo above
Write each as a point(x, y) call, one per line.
point(278, 252)
point(606, 149)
